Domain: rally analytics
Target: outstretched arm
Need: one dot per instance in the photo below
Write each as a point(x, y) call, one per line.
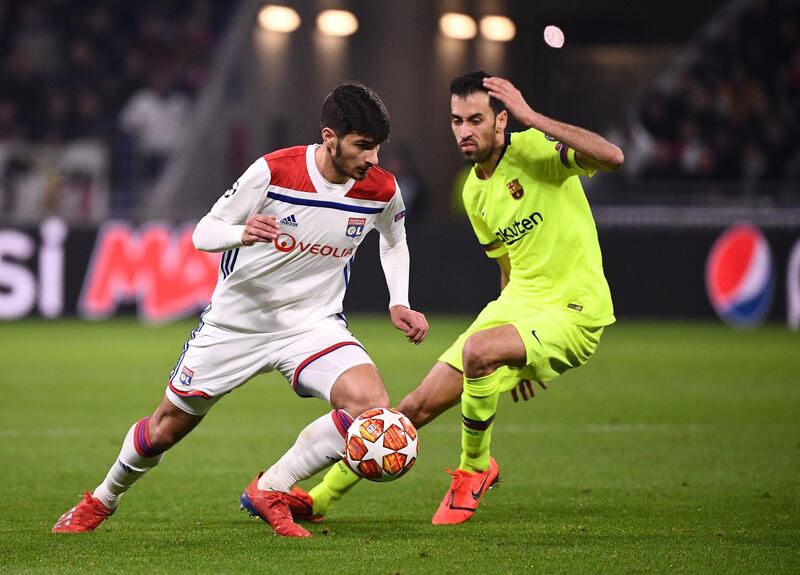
point(592, 151)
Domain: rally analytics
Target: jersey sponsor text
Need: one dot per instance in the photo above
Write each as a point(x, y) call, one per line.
point(518, 229)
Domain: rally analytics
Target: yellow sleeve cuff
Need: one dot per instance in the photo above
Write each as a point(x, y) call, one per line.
point(501, 250)
point(573, 162)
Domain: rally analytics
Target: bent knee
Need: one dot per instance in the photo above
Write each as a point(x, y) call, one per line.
point(476, 356)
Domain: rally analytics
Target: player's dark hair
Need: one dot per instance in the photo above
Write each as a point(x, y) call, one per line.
point(353, 108)
point(472, 82)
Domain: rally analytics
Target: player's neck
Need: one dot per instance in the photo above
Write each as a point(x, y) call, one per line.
point(326, 168)
point(485, 169)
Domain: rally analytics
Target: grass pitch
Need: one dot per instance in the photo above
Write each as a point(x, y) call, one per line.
point(676, 449)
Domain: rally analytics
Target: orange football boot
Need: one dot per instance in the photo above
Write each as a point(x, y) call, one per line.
point(272, 507)
point(301, 504)
point(87, 515)
point(465, 492)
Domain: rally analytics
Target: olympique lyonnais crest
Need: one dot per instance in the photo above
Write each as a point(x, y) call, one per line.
point(517, 191)
point(355, 227)
point(186, 376)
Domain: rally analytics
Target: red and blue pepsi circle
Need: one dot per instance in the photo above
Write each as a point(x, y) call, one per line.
point(740, 276)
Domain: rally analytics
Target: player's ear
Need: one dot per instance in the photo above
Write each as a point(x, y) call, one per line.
point(329, 138)
point(501, 121)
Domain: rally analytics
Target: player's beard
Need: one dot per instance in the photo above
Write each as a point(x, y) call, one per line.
point(478, 155)
point(338, 164)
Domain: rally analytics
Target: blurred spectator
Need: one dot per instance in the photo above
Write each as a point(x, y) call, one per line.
point(399, 161)
point(10, 129)
point(458, 212)
point(154, 117)
point(35, 39)
point(57, 121)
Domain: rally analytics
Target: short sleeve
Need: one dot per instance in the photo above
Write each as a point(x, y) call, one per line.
point(553, 159)
point(492, 246)
point(246, 196)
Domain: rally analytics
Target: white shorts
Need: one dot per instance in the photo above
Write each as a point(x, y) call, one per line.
point(217, 361)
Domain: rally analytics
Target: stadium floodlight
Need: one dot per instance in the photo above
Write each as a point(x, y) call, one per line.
point(278, 18)
point(458, 26)
point(337, 23)
point(498, 28)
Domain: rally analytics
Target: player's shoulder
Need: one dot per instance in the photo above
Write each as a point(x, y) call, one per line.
point(287, 167)
point(532, 143)
point(379, 186)
point(472, 189)
point(529, 137)
point(286, 155)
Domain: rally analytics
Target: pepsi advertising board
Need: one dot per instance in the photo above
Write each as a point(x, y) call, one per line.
point(740, 276)
point(743, 275)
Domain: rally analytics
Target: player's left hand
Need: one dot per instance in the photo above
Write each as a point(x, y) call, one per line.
point(526, 389)
point(507, 93)
point(412, 323)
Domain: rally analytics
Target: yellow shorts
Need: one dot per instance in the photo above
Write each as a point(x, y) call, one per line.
point(553, 343)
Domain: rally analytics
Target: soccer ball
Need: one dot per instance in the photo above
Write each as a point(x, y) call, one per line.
point(381, 445)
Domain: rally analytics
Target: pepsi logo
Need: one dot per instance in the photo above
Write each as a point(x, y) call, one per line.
point(740, 276)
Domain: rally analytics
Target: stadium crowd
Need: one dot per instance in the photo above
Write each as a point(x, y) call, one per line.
point(106, 71)
point(734, 111)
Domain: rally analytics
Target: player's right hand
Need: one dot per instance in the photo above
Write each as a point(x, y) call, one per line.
point(507, 93)
point(412, 323)
point(526, 390)
point(260, 228)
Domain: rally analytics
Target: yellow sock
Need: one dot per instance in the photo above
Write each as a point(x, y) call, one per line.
point(338, 481)
point(478, 408)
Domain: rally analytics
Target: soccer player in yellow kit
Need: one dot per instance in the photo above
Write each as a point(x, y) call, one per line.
point(529, 212)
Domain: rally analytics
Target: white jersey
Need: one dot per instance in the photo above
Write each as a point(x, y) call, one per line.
point(299, 279)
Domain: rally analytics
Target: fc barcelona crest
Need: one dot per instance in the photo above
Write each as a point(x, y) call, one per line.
point(517, 191)
point(355, 227)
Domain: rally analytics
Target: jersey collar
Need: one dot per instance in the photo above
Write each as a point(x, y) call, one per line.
point(322, 185)
point(506, 144)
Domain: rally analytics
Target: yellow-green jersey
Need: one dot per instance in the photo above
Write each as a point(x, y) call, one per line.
point(533, 208)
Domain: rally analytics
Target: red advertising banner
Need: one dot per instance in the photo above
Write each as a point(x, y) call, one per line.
point(155, 266)
point(53, 271)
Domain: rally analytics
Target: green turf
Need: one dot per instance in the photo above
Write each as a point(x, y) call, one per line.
point(677, 449)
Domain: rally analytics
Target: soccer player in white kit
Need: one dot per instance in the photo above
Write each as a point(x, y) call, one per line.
point(288, 230)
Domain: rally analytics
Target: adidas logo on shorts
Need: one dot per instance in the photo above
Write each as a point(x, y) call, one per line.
point(289, 221)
